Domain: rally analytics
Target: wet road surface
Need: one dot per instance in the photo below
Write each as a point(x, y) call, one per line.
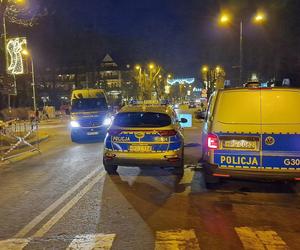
point(63, 199)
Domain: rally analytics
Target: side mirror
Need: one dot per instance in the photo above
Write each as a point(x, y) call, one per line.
point(183, 120)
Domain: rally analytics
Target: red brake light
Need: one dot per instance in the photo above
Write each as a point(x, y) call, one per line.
point(167, 132)
point(114, 131)
point(212, 141)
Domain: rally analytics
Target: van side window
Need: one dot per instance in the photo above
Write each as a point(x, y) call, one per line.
point(210, 106)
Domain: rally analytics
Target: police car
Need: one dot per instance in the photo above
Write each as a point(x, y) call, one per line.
point(253, 133)
point(145, 135)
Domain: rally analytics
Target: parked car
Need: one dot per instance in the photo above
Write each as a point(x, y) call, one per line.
point(145, 135)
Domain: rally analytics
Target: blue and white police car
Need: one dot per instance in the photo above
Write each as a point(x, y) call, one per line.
point(145, 136)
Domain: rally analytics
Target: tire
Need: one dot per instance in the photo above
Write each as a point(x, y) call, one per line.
point(110, 169)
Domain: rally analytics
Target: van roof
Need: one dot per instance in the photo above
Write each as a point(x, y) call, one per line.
point(261, 88)
point(87, 93)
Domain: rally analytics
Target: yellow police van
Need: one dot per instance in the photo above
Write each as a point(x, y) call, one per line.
point(253, 133)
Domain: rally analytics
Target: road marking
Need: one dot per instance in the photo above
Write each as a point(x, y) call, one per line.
point(46, 227)
point(260, 240)
point(25, 230)
point(13, 244)
point(92, 241)
point(176, 239)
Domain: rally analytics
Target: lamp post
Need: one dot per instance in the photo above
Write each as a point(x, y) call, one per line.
point(225, 19)
point(29, 55)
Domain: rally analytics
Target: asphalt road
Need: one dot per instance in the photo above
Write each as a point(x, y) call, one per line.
point(62, 199)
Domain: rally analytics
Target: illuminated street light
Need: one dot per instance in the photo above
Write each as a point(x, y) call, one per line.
point(169, 76)
point(204, 68)
point(224, 19)
point(137, 67)
point(151, 66)
point(259, 18)
point(25, 52)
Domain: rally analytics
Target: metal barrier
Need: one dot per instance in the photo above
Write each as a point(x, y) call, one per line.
point(18, 137)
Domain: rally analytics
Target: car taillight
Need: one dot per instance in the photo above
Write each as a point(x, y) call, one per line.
point(212, 141)
point(114, 131)
point(167, 132)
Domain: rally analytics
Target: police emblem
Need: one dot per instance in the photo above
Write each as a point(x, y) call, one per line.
point(139, 135)
point(270, 141)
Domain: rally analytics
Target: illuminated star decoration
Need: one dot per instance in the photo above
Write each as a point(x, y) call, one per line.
point(14, 49)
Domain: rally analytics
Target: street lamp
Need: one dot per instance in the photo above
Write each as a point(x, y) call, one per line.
point(151, 66)
point(258, 19)
point(29, 55)
point(204, 69)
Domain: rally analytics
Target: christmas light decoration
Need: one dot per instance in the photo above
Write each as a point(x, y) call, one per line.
point(14, 48)
point(181, 81)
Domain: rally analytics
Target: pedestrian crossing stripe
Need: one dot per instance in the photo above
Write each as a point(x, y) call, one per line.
point(14, 244)
point(176, 239)
point(251, 239)
point(260, 239)
point(90, 241)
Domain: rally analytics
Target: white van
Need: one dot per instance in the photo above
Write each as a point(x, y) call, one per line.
point(253, 133)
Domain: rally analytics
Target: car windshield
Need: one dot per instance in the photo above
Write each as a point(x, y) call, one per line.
point(142, 119)
point(89, 104)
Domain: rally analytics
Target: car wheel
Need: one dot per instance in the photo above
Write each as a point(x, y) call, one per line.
point(110, 169)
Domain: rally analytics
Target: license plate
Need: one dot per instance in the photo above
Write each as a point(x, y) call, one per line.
point(92, 133)
point(239, 144)
point(134, 148)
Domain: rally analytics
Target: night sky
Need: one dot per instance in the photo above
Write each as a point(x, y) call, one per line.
point(179, 35)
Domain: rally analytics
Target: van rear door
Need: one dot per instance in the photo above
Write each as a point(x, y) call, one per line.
point(237, 123)
point(281, 129)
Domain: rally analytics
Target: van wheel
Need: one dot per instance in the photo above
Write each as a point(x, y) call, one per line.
point(111, 169)
point(212, 182)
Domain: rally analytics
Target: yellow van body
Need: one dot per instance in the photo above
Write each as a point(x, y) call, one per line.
point(253, 132)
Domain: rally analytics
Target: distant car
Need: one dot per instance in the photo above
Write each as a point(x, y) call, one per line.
point(176, 106)
point(252, 133)
point(145, 136)
point(192, 105)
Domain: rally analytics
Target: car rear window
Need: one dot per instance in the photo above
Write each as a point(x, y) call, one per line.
point(280, 107)
point(238, 107)
point(142, 119)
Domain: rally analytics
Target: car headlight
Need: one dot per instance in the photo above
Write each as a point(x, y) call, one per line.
point(107, 121)
point(74, 124)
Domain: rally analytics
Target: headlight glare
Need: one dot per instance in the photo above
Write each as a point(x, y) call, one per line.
point(107, 121)
point(75, 124)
